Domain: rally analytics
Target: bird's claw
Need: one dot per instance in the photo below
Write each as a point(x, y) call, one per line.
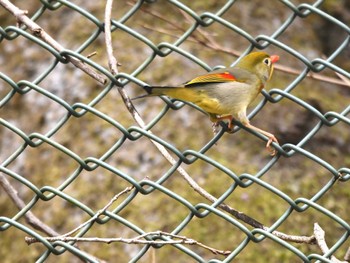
point(230, 129)
point(215, 127)
point(269, 147)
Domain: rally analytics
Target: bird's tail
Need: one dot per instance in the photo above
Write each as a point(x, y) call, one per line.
point(148, 89)
point(153, 91)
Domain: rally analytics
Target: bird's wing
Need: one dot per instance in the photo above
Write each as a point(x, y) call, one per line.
point(212, 78)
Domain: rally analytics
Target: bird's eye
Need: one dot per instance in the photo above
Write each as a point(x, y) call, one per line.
point(267, 61)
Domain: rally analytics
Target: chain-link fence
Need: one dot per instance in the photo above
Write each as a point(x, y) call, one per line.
point(83, 178)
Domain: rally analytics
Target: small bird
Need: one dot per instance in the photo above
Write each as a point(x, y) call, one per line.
point(225, 94)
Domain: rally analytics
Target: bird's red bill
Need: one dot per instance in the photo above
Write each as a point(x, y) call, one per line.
point(274, 58)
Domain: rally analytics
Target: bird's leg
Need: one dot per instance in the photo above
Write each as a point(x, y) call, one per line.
point(271, 137)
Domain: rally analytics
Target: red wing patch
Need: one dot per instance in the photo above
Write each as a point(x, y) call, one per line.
point(212, 77)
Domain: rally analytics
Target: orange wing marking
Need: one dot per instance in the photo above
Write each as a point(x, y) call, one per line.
point(212, 77)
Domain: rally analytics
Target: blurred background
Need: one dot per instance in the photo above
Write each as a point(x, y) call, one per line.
point(313, 36)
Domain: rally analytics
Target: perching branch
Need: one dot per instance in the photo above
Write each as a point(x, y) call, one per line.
point(22, 18)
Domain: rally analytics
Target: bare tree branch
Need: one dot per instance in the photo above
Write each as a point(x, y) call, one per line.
point(209, 42)
point(347, 255)
point(22, 18)
point(99, 213)
point(293, 238)
point(343, 78)
point(173, 240)
point(92, 219)
point(321, 242)
point(29, 216)
point(112, 61)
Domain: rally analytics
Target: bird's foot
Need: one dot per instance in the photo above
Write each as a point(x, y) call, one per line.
point(216, 126)
point(272, 150)
point(216, 122)
point(230, 127)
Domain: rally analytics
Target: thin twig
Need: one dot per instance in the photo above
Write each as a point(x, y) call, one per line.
point(99, 213)
point(22, 18)
point(343, 78)
point(31, 240)
point(209, 42)
point(347, 255)
point(172, 240)
point(321, 242)
point(29, 216)
point(312, 75)
point(293, 238)
point(112, 61)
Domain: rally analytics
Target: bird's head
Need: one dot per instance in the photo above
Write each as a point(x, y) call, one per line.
point(259, 63)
